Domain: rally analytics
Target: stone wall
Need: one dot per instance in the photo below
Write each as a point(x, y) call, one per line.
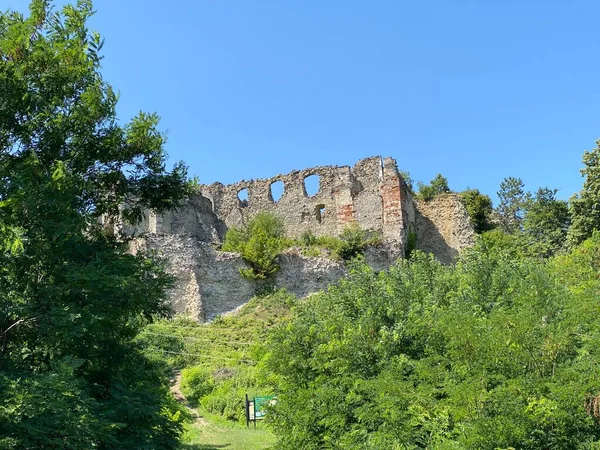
point(370, 193)
point(443, 227)
point(209, 282)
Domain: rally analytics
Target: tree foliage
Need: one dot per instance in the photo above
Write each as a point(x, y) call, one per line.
point(479, 207)
point(259, 242)
point(513, 200)
point(585, 206)
point(71, 298)
point(437, 186)
point(546, 223)
point(497, 352)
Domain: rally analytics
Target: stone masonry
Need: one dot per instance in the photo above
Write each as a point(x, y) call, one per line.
point(371, 193)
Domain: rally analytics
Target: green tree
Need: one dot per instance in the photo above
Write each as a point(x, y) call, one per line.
point(499, 351)
point(546, 223)
point(259, 242)
point(585, 206)
point(408, 180)
point(72, 299)
point(479, 207)
point(513, 202)
point(437, 186)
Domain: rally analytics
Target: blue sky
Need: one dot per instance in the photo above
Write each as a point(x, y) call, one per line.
point(476, 90)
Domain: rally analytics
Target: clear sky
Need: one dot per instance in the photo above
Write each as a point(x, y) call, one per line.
point(477, 90)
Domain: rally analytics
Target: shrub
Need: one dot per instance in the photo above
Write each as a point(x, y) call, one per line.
point(196, 382)
point(259, 243)
point(227, 399)
point(354, 240)
point(479, 207)
point(347, 246)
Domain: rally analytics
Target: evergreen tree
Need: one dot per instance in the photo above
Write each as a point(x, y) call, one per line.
point(437, 186)
point(511, 207)
point(72, 300)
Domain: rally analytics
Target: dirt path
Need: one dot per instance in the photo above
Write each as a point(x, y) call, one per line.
point(176, 391)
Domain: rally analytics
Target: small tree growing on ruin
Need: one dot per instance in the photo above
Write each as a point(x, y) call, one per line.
point(259, 242)
point(437, 186)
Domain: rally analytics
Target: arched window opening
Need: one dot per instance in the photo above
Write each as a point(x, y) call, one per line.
point(243, 197)
point(277, 189)
point(312, 185)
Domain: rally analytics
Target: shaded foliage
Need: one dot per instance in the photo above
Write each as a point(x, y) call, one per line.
point(71, 297)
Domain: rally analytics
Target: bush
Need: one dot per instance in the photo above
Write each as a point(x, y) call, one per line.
point(196, 382)
point(351, 243)
point(227, 399)
point(479, 207)
point(259, 243)
point(497, 351)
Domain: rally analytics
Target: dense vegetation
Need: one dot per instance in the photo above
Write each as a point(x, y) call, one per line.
point(497, 352)
point(71, 298)
point(259, 242)
point(219, 361)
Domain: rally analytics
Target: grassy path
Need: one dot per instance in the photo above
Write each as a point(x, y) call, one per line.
point(206, 433)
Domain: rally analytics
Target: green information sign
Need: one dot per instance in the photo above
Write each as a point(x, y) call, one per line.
point(260, 403)
point(256, 409)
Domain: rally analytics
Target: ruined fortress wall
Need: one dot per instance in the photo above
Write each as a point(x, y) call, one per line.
point(370, 193)
point(209, 282)
point(443, 227)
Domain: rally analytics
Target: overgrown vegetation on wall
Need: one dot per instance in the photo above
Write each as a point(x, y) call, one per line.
point(352, 242)
point(259, 243)
point(262, 240)
point(437, 186)
point(479, 208)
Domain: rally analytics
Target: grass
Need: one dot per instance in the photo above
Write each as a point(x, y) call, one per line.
point(212, 434)
point(228, 342)
point(216, 366)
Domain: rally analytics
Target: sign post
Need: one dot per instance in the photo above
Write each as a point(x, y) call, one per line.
point(256, 408)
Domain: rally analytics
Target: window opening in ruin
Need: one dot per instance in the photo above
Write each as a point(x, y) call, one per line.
point(277, 189)
point(320, 213)
point(243, 197)
point(312, 185)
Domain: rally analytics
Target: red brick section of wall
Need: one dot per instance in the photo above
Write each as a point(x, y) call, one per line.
point(391, 195)
point(345, 214)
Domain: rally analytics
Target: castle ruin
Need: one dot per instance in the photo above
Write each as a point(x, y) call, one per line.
point(372, 193)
